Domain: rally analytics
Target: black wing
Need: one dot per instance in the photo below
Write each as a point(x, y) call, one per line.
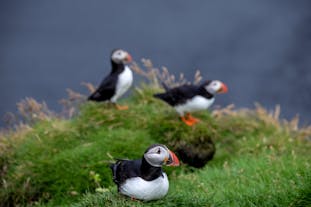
point(179, 95)
point(106, 89)
point(124, 169)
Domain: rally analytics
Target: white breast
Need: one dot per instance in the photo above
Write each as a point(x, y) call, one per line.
point(145, 190)
point(125, 81)
point(195, 104)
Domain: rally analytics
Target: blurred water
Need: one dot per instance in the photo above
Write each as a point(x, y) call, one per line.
point(260, 49)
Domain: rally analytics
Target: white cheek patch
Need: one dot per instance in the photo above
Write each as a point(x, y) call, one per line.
point(116, 57)
point(213, 87)
point(155, 160)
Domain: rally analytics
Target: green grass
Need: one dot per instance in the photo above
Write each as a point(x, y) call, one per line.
point(259, 161)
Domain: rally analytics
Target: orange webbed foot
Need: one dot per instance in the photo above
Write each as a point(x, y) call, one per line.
point(193, 119)
point(119, 107)
point(188, 121)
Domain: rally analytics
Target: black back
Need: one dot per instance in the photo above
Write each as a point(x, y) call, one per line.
point(182, 94)
point(107, 88)
point(125, 169)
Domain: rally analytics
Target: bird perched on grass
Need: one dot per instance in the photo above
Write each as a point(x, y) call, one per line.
point(189, 98)
point(117, 82)
point(144, 179)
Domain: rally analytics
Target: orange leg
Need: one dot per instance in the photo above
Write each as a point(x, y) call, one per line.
point(134, 199)
point(189, 117)
point(119, 107)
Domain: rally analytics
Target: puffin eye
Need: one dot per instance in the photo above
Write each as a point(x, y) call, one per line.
point(159, 151)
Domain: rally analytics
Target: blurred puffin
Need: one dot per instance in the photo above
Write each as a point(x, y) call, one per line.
point(117, 82)
point(189, 98)
point(144, 179)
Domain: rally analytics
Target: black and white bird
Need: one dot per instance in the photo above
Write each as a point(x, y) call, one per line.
point(189, 98)
point(143, 179)
point(117, 82)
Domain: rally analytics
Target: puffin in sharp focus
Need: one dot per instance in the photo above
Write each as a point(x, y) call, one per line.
point(117, 82)
point(189, 98)
point(143, 179)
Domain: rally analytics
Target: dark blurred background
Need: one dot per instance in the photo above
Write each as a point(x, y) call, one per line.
point(261, 49)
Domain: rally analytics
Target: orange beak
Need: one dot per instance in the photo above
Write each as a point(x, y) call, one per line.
point(223, 89)
point(128, 58)
point(172, 160)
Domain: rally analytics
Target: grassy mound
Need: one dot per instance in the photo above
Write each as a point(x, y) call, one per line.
point(260, 160)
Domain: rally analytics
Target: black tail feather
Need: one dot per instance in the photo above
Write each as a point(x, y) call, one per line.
point(94, 97)
point(159, 96)
point(165, 86)
point(114, 168)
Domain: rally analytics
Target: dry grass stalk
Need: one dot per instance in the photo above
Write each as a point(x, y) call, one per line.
point(9, 136)
point(89, 86)
point(228, 110)
point(269, 118)
point(73, 101)
point(197, 77)
point(150, 74)
point(294, 123)
point(31, 111)
point(157, 76)
point(277, 112)
point(2, 141)
point(10, 119)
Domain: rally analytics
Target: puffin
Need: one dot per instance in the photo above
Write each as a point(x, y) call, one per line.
point(117, 82)
point(189, 98)
point(143, 179)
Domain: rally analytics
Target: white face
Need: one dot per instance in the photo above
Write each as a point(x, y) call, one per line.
point(157, 155)
point(120, 56)
point(214, 86)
